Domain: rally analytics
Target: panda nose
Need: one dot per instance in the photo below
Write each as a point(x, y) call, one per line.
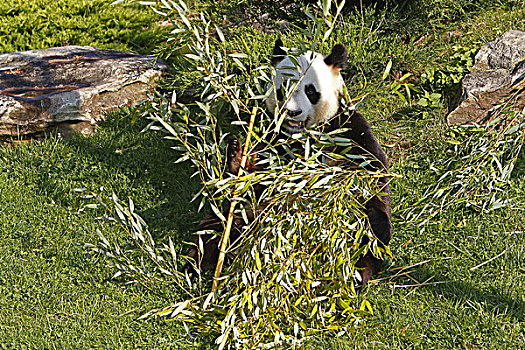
point(293, 113)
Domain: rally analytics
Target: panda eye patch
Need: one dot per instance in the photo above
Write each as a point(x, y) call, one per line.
point(312, 94)
point(280, 96)
point(309, 89)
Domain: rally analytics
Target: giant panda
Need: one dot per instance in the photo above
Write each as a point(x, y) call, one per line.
point(315, 100)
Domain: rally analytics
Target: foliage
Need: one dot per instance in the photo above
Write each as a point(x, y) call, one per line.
point(401, 87)
point(436, 84)
point(475, 172)
point(420, 18)
point(294, 274)
point(292, 277)
point(438, 12)
point(447, 79)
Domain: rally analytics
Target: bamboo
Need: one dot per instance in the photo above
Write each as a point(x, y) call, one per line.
point(226, 236)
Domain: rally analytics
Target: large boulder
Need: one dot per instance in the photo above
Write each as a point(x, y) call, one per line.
point(497, 79)
point(69, 89)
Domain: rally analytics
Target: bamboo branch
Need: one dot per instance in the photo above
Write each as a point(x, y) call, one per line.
point(226, 236)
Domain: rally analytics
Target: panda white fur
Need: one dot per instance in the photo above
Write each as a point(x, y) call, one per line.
point(309, 90)
point(309, 93)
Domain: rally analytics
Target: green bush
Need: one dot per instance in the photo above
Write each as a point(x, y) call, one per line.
point(293, 275)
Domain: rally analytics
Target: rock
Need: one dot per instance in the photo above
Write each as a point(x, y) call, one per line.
point(69, 89)
point(497, 78)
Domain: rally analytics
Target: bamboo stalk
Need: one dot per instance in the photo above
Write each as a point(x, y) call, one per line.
point(226, 236)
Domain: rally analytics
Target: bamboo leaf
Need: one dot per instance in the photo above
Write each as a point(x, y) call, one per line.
point(387, 70)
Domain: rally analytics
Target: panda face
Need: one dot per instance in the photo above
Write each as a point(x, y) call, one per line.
point(309, 90)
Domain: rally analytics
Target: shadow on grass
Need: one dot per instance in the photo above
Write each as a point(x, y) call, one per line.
point(488, 297)
point(120, 159)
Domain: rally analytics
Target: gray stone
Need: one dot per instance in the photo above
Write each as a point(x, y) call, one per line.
point(69, 89)
point(496, 79)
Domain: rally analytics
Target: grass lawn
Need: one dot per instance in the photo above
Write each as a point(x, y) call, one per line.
point(54, 293)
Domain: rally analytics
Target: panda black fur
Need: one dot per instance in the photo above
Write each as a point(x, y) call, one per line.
point(315, 100)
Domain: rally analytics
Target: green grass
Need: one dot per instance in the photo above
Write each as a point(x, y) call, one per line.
point(39, 24)
point(483, 308)
point(54, 293)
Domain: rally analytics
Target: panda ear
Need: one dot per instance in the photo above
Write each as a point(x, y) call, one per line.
point(278, 52)
point(337, 58)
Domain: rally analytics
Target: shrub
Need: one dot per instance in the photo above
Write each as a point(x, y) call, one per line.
point(293, 275)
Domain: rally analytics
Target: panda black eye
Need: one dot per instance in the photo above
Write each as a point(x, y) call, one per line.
point(280, 96)
point(309, 89)
point(312, 94)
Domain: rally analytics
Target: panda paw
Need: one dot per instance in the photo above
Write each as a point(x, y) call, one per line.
point(368, 266)
point(234, 155)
